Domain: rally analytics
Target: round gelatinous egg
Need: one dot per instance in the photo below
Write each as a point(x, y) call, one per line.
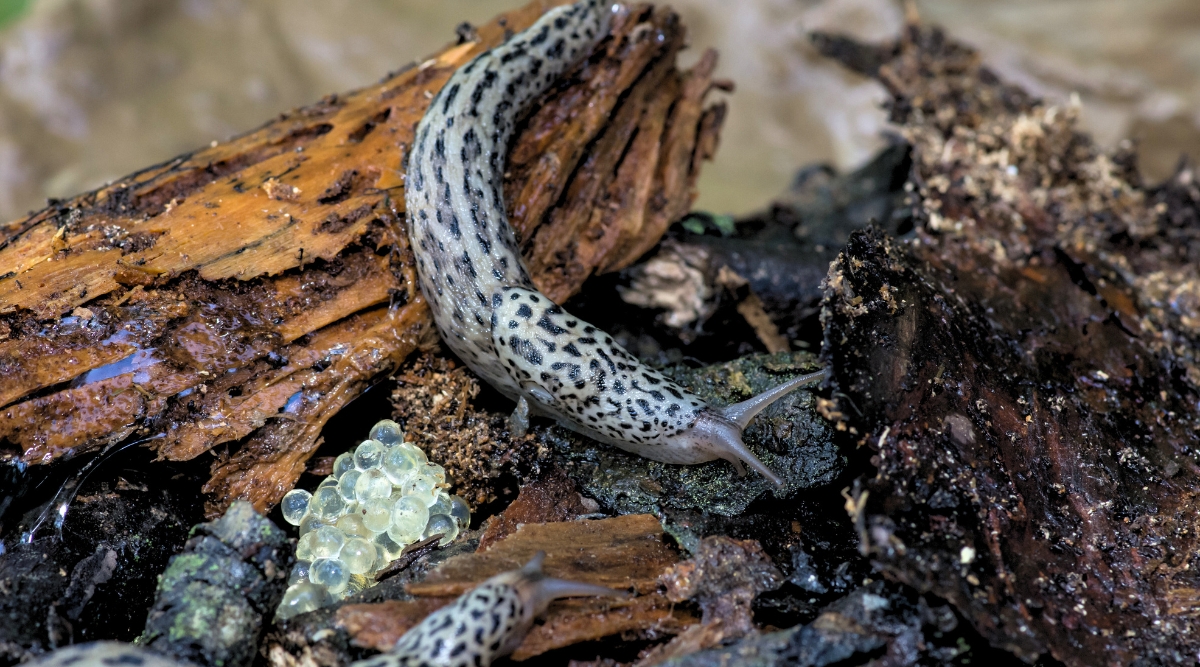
point(387, 432)
point(399, 464)
point(328, 481)
point(305, 546)
point(421, 488)
point(303, 598)
point(372, 485)
point(409, 517)
point(346, 485)
point(377, 514)
point(358, 555)
point(351, 525)
point(391, 548)
point(310, 523)
point(441, 503)
point(417, 454)
point(368, 455)
point(443, 524)
point(299, 573)
point(330, 573)
point(294, 505)
point(327, 503)
point(327, 542)
point(435, 472)
point(343, 463)
point(460, 512)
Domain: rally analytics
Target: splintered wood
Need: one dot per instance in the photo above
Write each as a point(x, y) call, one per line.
point(240, 295)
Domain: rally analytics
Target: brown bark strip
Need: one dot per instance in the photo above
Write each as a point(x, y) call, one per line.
point(240, 295)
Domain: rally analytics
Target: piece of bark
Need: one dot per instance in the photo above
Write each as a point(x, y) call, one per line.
point(379, 626)
point(622, 552)
point(242, 294)
point(1027, 371)
point(550, 499)
point(723, 578)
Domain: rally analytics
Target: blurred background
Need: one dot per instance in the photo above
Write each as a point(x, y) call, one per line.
point(93, 89)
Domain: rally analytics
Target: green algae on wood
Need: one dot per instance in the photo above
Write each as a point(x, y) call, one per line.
point(214, 598)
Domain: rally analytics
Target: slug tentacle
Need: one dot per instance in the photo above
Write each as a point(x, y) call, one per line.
point(742, 413)
point(483, 301)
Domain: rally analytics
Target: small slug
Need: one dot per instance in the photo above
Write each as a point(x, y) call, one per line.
point(486, 623)
point(483, 301)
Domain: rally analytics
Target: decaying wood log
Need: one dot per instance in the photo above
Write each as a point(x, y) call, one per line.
point(1027, 370)
point(242, 294)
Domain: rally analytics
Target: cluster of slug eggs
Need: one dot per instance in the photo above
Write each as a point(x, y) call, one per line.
point(380, 498)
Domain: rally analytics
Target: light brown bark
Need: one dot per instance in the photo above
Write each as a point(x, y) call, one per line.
point(240, 295)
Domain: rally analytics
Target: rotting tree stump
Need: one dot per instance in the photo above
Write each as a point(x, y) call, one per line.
point(239, 296)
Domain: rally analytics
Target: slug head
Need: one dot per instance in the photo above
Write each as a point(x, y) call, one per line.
point(538, 590)
point(719, 432)
point(718, 437)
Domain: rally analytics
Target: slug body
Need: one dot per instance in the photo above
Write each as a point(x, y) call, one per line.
point(486, 623)
point(483, 301)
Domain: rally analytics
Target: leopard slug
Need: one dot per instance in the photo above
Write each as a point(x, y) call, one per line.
point(486, 623)
point(483, 301)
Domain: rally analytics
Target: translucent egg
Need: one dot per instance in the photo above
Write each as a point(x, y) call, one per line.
point(441, 503)
point(443, 524)
point(404, 531)
point(435, 472)
point(328, 481)
point(346, 485)
point(368, 455)
point(372, 485)
point(391, 548)
point(399, 464)
point(460, 512)
point(327, 503)
point(416, 452)
point(299, 573)
point(409, 517)
point(351, 525)
point(387, 432)
point(421, 488)
point(310, 523)
point(377, 514)
point(343, 463)
point(294, 505)
point(303, 598)
point(305, 546)
point(330, 573)
point(327, 542)
point(358, 555)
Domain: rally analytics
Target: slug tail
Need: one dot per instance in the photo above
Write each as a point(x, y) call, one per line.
point(742, 413)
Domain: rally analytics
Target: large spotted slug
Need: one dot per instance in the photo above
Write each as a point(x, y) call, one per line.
point(484, 303)
point(486, 623)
